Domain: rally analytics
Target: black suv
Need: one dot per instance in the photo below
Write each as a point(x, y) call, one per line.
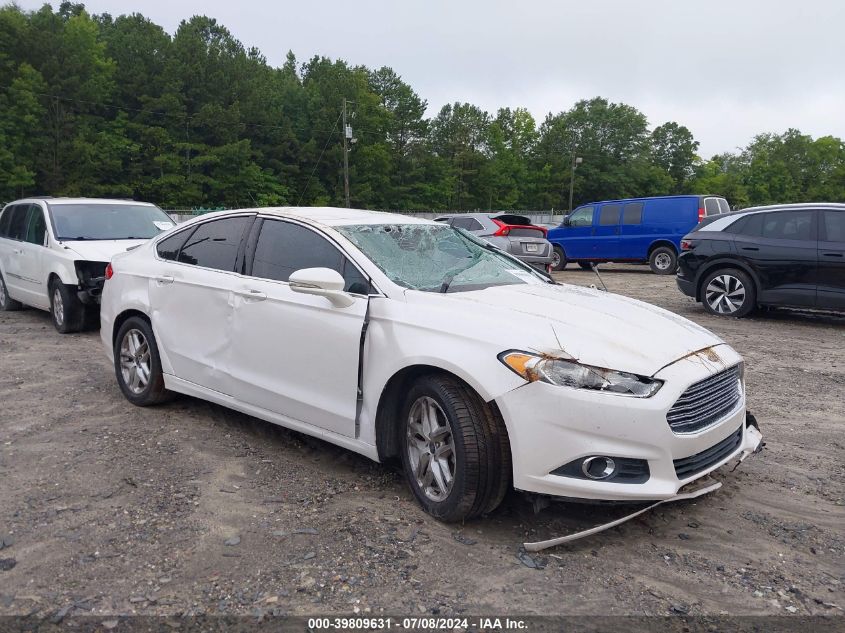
point(784, 255)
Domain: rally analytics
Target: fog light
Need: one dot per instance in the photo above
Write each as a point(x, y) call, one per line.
point(598, 467)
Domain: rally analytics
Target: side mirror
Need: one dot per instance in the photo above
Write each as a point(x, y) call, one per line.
point(323, 282)
point(567, 221)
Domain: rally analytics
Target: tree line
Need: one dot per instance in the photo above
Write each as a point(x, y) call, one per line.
point(96, 105)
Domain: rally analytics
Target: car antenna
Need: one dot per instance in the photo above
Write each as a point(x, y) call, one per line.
point(595, 267)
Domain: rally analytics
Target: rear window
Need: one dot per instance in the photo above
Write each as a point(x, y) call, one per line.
point(724, 206)
point(711, 206)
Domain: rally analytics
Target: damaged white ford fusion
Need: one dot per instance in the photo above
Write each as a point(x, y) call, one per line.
point(406, 339)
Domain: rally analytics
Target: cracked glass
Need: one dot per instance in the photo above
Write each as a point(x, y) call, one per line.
point(437, 257)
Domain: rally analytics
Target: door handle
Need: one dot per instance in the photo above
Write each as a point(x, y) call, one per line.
point(164, 281)
point(750, 248)
point(254, 295)
point(17, 251)
point(832, 254)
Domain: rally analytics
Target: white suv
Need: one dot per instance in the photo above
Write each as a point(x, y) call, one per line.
point(54, 251)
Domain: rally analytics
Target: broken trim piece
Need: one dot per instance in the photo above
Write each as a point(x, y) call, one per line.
point(541, 545)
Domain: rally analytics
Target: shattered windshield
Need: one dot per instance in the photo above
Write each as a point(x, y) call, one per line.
point(437, 258)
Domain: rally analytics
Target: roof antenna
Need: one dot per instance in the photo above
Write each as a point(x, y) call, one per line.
point(595, 267)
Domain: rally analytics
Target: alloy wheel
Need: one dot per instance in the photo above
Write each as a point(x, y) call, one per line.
point(135, 361)
point(431, 448)
point(58, 307)
point(725, 294)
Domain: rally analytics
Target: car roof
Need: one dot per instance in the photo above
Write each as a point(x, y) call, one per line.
point(58, 201)
point(679, 196)
point(333, 216)
point(795, 205)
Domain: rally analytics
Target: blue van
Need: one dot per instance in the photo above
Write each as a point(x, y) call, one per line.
point(636, 230)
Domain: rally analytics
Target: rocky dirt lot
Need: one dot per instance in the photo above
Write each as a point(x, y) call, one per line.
point(191, 508)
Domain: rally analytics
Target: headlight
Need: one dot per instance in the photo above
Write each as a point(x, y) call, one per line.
point(568, 373)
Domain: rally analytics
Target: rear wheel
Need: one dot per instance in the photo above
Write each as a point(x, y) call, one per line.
point(663, 260)
point(728, 292)
point(455, 451)
point(558, 258)
point(137, 364)
point(7, 304)
point(66, 309)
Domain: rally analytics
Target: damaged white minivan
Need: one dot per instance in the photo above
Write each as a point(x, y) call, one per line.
point(401, 338)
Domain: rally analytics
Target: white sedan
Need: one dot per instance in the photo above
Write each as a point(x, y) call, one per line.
point(406, 339)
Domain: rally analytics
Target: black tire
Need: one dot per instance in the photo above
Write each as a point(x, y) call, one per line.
point(153, 391)
point(663, 260)
point(480, 462)
point(728, 292)
point(66, 310)
point(7, 304)
point(585, 265)
point(558, 258)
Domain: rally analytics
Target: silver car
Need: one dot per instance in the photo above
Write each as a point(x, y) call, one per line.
point(514, 234)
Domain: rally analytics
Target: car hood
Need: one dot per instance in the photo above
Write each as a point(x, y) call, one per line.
point(100, 250)
point(591, 326)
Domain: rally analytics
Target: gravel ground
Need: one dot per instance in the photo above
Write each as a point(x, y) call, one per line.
point(191, 508)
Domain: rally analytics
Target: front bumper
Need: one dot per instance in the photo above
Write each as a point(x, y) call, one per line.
point(550, 426)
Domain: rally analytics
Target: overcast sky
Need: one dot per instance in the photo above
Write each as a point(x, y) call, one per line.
point(725, 69)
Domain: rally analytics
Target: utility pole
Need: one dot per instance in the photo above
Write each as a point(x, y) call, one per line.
point(576, 160)
point(347, 134)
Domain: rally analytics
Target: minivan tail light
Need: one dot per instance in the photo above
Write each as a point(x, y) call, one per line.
point(109, 271)
point(701, 214)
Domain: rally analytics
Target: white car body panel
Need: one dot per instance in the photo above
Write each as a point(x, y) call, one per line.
point(296, 360)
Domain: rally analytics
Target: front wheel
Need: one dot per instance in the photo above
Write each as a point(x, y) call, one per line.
point(728, 292)
point(137, 364)
point(558, 258)
point(455, 451)
point(66, 309)
point(663, 260)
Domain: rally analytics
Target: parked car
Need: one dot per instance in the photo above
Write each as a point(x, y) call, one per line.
point(402, 338)
point(783, 255)
point(54, 251)
point(636, 230)
point(514, 234)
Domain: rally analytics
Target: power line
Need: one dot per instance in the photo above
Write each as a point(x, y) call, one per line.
point(307, 182)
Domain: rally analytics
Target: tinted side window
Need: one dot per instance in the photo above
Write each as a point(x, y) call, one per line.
point(37, 226)
point(284, 248)
point(632, 213)
point(711, 206)
point(468, 224)
point(581, 217)
point(610, 214)
point(787, 225)
point(5, 220)
point(169, 248)
point(834, 226)
point(215, 244)
point(18, 222)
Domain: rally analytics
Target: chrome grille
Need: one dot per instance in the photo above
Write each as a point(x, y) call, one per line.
point(705, 402)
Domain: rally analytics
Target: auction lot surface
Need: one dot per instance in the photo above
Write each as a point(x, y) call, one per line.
point(192, 508)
